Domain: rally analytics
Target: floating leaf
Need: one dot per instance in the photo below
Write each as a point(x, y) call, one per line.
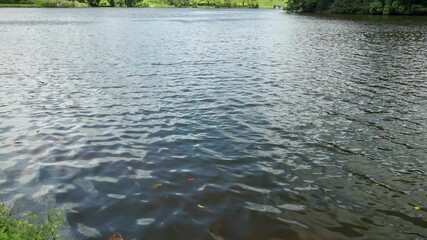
point(200, 206)
point(156, 185)
point(417, 207)
point(115, 236)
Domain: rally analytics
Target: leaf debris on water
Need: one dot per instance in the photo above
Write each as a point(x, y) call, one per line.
point(156, 185)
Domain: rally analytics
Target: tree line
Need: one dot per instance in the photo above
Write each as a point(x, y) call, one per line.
point(138, 3)
point(215, 3)
point(384, 7)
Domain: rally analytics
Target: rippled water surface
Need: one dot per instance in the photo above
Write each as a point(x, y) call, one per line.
point(215, 124)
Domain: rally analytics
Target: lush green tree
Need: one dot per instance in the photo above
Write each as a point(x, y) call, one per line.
point(252, 3)
point(104, 3)
point(385, 7)
point(92, 3)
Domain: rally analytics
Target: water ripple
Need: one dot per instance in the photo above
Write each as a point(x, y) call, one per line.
point(210, 124)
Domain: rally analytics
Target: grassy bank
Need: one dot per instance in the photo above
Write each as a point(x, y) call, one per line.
point(16, 5)
point(20, 226)
point(270, 3)
point(157, 3)
point(45, 3)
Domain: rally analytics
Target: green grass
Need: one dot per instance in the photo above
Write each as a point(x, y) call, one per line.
point(157, 3)
point(25, 226)
point(16, 5)
point(270, 3)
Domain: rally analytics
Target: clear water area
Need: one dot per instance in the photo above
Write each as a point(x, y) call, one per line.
point(215, 124)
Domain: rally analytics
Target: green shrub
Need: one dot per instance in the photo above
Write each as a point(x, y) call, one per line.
point(323, 5)
point(376, 7)
point(141, 4)
point(71, 4)
point(294, 5)
point(81, 5)
point(387, 7)
point(397, 8)
point(16, 1)
point(346, 6)
point(104, 3)
point(228, 3)
point(28, 226)
point(309, 5)
point(119, 3)
point(46, 3)
point(252, 4)
point(59, 3)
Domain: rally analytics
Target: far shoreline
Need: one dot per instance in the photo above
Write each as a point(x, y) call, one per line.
point(324, 13)
point(202, 7)
point(257, 4)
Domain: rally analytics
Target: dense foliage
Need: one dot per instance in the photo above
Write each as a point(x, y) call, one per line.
point(137, 3)
point(214, 3)
point(176, 3)
point(16, 1)
point(28, 226)
point(385, 7)
point(45, 3)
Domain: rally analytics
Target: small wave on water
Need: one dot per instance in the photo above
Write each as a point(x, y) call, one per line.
point(272, 126)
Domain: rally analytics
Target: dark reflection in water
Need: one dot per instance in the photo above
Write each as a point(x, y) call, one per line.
point(215, 124)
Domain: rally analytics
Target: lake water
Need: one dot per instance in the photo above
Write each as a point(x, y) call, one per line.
point(215, 124)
